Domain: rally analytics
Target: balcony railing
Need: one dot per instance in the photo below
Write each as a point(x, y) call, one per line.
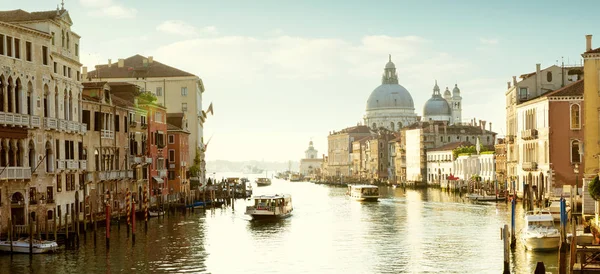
point(50, 123)
point(528, 166)
point(63, 125)
point(130, 174)
point(162, 173)
point(14, 119)
point(135, 159)
point(107, 134)
point(60, 165)
point(171, 165)
point(36, 121)
point(72, 164)
point(89, 177)
point(529, 134)
point(133, 124)
point(183, 163)
point(83, 128)
point(14, 173)
point(148, 160)
point(144, 125)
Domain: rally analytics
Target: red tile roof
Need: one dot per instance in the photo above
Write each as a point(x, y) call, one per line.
point(596, 50)
point(574, 89)
point(135, 67)
point(21, 15)
point(451, 146)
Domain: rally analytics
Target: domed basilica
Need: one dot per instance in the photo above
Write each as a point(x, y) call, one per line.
point(391, 106)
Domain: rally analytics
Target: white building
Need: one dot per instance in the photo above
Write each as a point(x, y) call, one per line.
point(448, 108)
point(390, 105)
point(414, 155)
point(440, 163)
point(311, 164)
point(481, 165)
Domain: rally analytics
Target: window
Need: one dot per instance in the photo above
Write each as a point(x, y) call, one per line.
point(575, 119)
point(58, 182)
point(183, 106)
point(184, 91)
point(171, 155)
point(76, 49)
point(1, 44)
point(158, 91)
point(523, 93)
point(86, 118)
point(117, 124)
point(55, 67)
point(158, 117)
point(575, 156)
point(53, 38)
point(549, 76)
point(28, 51)
point(65, 71)
point(78, 76)
point(17, 48)
point(9, 42)
point(171, 139)
point(45, 56)
point(69, 72)
point(171, 175)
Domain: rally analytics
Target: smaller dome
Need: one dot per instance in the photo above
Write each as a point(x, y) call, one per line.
point(456, 90)
point(390, 64)
point(447, 93)
point(310, 143)
point(436, 106)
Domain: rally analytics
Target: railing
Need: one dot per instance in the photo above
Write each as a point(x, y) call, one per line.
point(144, 125)
point(63, 125)
point(133, 124)
point(183, 163)
point(14, 173)
point(162, 173)
point(106, 134)
point(529, 134)
point(148, 160)
point(89, 177)
point(72, 164)
point(14, 119)
point(130, 174)
point(36, 121)
point(135, 159)
point(60, 165)
point(83, 164)
point(171, 165)
point(530, 166)
point(50, 123)
point(83, 128)
point(50, 201)
point(74, 126)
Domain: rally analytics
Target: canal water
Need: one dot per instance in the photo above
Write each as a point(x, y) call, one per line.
point(407, 231)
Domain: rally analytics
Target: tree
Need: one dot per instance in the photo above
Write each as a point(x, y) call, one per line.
point(195, 170)
point(594, 189)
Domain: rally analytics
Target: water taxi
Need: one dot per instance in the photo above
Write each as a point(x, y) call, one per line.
point(295, 177)
point(363, 192)
point(22, 246)
point(270, 207)
point(539, 233)
point(263, 181)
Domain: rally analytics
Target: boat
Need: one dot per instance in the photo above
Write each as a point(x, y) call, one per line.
point(263, 181)
point(539, 233)
point(276, 206)
point(22, 246)
point(154, 213)
point(485, 197)
point(295, 177)
point(554, 209)
point(363, 192)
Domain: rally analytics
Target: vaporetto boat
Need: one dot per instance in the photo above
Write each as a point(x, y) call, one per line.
point(270, 206)
point(363, 192)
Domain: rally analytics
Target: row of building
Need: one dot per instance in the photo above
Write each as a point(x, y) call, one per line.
point(73, 140)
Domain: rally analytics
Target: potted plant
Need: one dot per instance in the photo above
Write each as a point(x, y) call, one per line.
point(594, 188)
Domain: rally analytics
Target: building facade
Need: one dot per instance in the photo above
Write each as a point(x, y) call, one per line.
point(447, 108)
point(591, 115)
point(178, 150)
point(40, 112)
point(339, 149)
point(310, 165)
point(500, 158)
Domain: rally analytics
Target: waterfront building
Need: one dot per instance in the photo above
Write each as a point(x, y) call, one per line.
point(358, 155)
point(157, 150)
point(40, 118)
point(591, 115)
point(476, 167)
point(447, 108)
point(440, 163)
point(394, 147)
point(339, 146)
point(178, 149)
point(184, 91)
point(500, 160)
point(310, 165)
point(390, 105)
point(528, 126)
point(107, 145)
point(420, 137)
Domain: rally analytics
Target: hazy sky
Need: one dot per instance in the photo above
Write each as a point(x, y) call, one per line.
point(282, 72)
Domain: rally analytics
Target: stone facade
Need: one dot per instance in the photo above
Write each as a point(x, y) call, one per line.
point(177, 145)
point(310, 165)
point(339, 149)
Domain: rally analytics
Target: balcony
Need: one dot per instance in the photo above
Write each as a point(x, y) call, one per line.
point(529, 166)
point(161, 144)
point(135, 159)
point(183, 163)
point(60, 165)
point(50, 123)
point(83, 128)
point(72, 164)
point(63, 125)
point(529, 134)
point(144, 125)
point(14, 119)
point(106, 134)
point(89, 177)
point(148, 160)
point(83, 164)
point(162, 173)
point(15, 173)
point(108, 175)
point(171, 165)
point(73, 126)
point(132, 124)
point(130, 174)
point(36, 122)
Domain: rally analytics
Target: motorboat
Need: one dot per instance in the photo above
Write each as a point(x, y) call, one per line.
point(22, 246)
point(263, 181)
point(295, 177)
point(554, 209)
point(485, 197)
point(276, 206)
point(155, 213)
point(540, 233)
point(363, 192)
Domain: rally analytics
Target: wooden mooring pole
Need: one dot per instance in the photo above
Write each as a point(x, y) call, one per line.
point(107, 226)
point(30, 235)
point(10, 234)
point(562, 254)
point(505, 236)
point(133, 223)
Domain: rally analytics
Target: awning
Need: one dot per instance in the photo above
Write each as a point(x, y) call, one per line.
point(158, 180)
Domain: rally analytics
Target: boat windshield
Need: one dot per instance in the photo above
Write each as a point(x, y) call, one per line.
point(541, 224)
point(370, 191)
point(267, 204)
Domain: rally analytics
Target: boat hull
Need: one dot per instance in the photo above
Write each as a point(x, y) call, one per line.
point(270, 217)
point(263, 184)
point(24, 247)
point(367, 199)
point(548, 243)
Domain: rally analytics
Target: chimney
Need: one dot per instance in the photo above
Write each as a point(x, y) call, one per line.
point(483, 126)
point(84, 73)
point(121, 62)
point(490, 126)
point(538, 80)
point(109, 62)
point(150, 59)
point(588, 42)
point(515, 81)
point(508, 83)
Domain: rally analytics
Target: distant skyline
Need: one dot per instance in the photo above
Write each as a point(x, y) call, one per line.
point(282, 72)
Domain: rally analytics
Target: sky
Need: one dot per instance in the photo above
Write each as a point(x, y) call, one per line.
point(282, 73)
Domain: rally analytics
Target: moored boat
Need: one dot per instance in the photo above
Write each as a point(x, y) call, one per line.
point(539, 233)
point(263, 181)
point(270, 206)
point(363, 192)
point(22, 246)
point(485, 197)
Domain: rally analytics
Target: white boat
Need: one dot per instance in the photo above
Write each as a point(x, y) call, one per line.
point(270, 206)
point(152, 213)
point(22, 246)
point(263, 181)
point(363, 192)
point(539, 233)
point(485, 197)
point(554, 209)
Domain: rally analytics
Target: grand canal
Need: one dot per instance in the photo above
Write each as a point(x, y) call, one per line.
point(408, 231)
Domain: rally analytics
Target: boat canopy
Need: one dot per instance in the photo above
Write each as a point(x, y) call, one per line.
point(276, 196)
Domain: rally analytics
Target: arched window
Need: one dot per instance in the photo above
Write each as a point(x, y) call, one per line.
point(392, 126)
point(575, 117)
point(374, 126)
point(63, 38)
point(575, 156)
point(549, 76)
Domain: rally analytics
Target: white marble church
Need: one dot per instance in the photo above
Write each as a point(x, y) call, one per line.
point(311, 163)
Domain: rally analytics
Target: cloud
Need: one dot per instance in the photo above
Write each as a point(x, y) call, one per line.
point(108, 8)
point(488, 41)
point(178, 27)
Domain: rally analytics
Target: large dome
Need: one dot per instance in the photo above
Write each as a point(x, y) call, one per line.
point(436, 106)
point(390, 96)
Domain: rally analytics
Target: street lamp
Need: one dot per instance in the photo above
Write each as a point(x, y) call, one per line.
point(576, 171)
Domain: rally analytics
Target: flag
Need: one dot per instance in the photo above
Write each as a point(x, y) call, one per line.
point(210, 109)
point(204, 114)
point(202, 119)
